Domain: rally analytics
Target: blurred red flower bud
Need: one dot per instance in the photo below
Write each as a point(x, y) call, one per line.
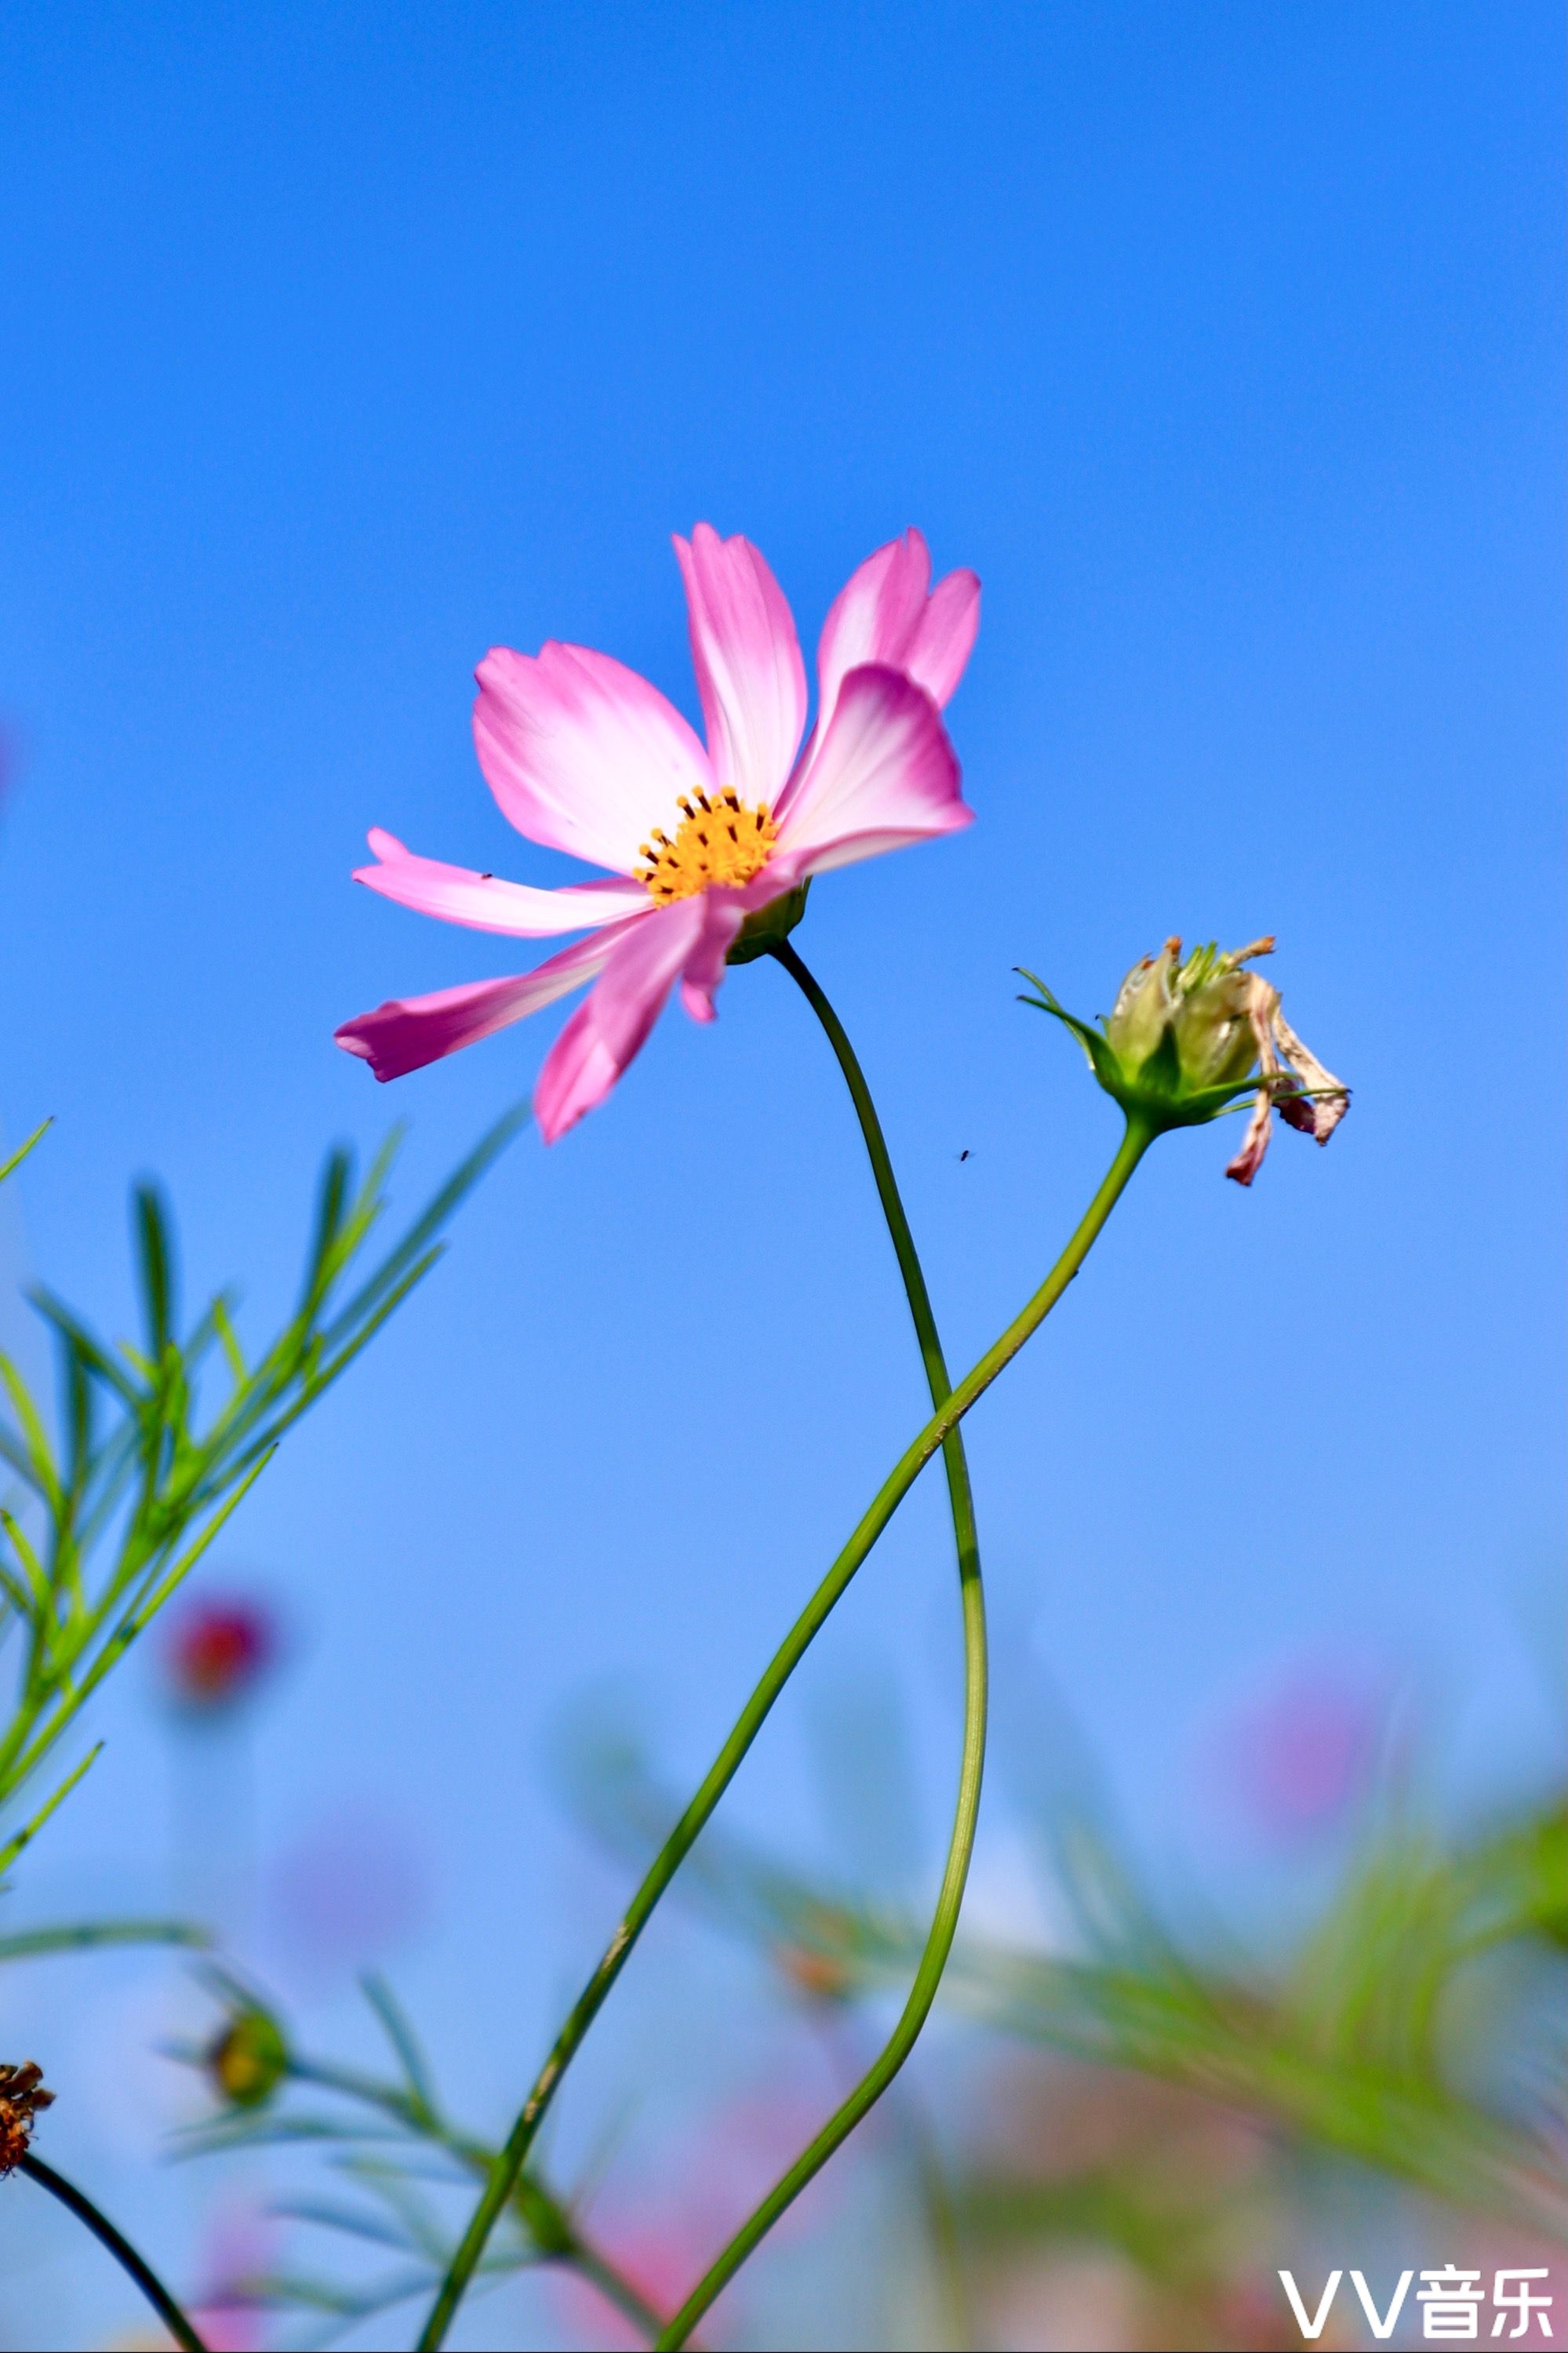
point(218, 1651)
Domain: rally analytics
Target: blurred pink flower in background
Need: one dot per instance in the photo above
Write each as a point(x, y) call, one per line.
point(583, 756)
point(241, 2247)
point(350, 1889)
point(1298, 1753)
point(661, 2260)
point(740, 2152)
point(218, 1650)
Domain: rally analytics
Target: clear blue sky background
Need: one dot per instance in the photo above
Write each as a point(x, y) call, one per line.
point(1223, 342)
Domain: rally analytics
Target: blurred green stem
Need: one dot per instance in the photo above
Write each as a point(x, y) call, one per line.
point(123, 2252)
point(1134, 1142)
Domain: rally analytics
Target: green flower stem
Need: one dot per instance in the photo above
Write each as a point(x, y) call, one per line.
point(960, 1846)
point(123, 2252)
point(1134, 1142)
point(958, 1490)
point(916, 2009)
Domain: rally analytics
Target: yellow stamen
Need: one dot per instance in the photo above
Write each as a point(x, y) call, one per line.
point(723, 841)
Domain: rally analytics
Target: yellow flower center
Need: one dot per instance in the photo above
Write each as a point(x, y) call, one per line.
point(723, 841)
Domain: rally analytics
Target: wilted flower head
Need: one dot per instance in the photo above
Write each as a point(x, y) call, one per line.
point(22, 2098)
point(1188, 1037)
point(218, 1653)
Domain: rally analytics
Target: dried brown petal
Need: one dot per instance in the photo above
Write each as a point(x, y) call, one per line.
point(1319, 1111)
point(22, 2100)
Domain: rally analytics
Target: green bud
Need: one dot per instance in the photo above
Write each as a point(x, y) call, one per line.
point(1222, 1014)
point(1187, 1037)
point(248, 2061)
point(776, 920)
point(1144, 1010)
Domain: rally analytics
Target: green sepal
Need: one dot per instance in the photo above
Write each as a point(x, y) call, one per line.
point(1158, 1079)
point(1101, 1059)
point(1210, 1102)
point(767, 926)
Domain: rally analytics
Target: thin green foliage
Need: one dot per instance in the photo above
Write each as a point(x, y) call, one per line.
point(16, 1158)
point(1373, 2041)
point(1368, 2041)
point(390, 2143)
point(109, 1517)
point(46, 1943)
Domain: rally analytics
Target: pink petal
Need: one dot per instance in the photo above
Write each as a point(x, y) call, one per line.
point(487, 904)
point(723, 912)
point(883, 776)
point(579, 1071)
point(582, 753)
point(750, 676)
point(1254, 1143)
point(884, 614)
point(939, 653)
point(609, 1028)
point(408, 1032)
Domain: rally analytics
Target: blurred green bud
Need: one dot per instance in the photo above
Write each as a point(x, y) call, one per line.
point(775, 921)
point(248, 2061)
point(1187, 1037)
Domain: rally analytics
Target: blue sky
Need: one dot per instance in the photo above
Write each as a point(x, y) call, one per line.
point(1224, 343)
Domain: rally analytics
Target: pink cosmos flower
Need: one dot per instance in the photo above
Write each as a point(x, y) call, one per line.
point(585, 757)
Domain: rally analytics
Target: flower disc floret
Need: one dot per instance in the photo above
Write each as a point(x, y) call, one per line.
point(721, 843)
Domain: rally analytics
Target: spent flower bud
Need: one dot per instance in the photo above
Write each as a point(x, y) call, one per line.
point(1189, 1036)
point(22, 2100)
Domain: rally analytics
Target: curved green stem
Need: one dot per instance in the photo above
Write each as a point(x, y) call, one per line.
point(123, 2252)
point(916, 2010)
point(1134, 1142)
point(958, 1490)
point(960, 1845)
